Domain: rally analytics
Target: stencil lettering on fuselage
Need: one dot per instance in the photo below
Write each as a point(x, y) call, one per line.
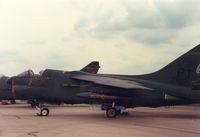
point(198, 69)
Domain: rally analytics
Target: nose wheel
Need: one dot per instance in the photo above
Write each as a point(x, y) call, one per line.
point(42, 111)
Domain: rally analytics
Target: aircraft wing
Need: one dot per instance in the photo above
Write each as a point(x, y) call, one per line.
point(113, 82)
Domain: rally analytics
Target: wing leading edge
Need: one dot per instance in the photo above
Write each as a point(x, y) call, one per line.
point(113, 82)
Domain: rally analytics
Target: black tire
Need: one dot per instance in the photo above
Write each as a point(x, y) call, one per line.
point(44, 112)
point(111, 113)
point(12, 101)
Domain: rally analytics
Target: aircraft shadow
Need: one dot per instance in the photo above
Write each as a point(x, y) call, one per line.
point(130, 115)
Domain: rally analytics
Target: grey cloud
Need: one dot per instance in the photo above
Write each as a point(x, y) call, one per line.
point(151, 37)
point(140, 15)
point(142, 23)
point(179, 13)
point(162, 14)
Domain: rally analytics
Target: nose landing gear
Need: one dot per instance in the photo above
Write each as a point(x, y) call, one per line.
point(42, 111)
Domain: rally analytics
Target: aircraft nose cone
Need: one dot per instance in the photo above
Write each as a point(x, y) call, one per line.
point(5, 88)
point(4, 95)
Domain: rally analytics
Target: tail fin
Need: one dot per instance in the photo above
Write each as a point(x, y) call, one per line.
point(182, 71)
point(93, 67)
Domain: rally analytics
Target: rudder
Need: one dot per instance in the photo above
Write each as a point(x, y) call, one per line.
point(182, 71)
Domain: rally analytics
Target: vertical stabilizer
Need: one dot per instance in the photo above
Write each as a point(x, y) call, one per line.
point(182, 71)
point(93, 67)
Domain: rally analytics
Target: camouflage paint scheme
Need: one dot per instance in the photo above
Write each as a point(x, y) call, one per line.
point(175, 84)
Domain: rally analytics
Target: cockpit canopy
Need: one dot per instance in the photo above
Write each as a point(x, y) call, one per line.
point(28, 77)
point(24, 78)
point(27, 74)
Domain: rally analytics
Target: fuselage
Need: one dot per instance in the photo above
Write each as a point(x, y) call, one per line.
point(62, 89)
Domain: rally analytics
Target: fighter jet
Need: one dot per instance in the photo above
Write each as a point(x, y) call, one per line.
point(176, 84)
point(26, 78)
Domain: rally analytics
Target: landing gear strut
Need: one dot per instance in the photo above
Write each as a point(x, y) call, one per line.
point(42, 111)
point(33, 103)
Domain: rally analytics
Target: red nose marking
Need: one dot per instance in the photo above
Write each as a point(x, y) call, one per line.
point(13, 89)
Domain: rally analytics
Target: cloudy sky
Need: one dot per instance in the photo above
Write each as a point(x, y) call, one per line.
point(126, 36)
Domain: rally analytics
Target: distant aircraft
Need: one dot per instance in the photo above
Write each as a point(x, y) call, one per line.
point(176, 84)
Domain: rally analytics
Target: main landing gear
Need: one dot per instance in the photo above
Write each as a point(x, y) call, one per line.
point(42, 111)
point(113, 111)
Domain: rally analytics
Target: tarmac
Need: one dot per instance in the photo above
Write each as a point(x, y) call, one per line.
point(20, 120)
